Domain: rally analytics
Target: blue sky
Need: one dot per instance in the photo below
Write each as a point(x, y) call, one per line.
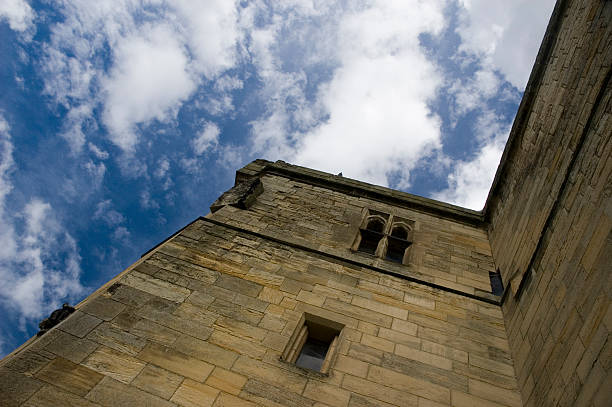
point(122, 120)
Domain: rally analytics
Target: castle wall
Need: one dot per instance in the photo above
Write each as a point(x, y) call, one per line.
point(444, 251)
point(551, 215)
point(204, 319)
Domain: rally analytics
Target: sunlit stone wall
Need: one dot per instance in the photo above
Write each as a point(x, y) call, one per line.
point(203, 319)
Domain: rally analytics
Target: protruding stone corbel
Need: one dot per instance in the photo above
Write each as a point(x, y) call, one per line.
point(241, 195)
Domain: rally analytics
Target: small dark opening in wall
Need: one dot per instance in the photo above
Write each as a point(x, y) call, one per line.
point(314, 344)
point(497, 285)
point(369, 241)
point(312, 354)
point(396, 249)
point(376, 225)
point(400, 233)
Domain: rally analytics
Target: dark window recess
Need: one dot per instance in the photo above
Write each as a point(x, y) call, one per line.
point(385, 236)
point(312, 354)
point(400, 233)
point(369, 241)
point(497, 285)
point(396, 249)
point(376, 225)
point(314, 344)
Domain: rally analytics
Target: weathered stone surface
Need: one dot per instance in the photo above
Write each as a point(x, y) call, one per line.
point(423, 371)
point(242, 195)
point(156, 287)
point(269, 395)
point(111, 393)
point(205, 351)
point(79, 323)
point(128, 295)
point(29, 362)
point(268, 373)
point(378, 392)
point(325, 393)
point(116, 338)
point(69, 376)
point(361, 401)
point(409, 384)
point(118, 365)
point(50, 396)
point(228, 400)
point(71, 347)
point(176, 362)
point(226, 381)
point(157, 381)
point(237, 345)
point(194, 394)
point(102, 307)
point(154, 332)
point(238, 285)
point(16, 388)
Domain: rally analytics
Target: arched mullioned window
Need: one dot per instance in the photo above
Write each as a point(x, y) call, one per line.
point(376, 224)
point(372, 234)
point(385, 236)
point(398, 242)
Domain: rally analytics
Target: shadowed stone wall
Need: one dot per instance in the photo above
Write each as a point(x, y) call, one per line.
point(551, 215)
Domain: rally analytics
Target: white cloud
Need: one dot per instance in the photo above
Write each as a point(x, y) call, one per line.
point(146, 201)
point(39, 266)
point(159, 58)
point(206, 139)
point(505, 35)
point(211, 33)
point(474, 92)
point(190, 165)
point(162, 173)
point(122, 234)
point(372, 118)
point(231, 156)
point(162, 169)
point(96, 173)
point(226, 83)
point(469, 181)
point(150, 79)
point(344, 86)
point(18, 13)
point(105, 211)
point(7, 242)
point(98, 152)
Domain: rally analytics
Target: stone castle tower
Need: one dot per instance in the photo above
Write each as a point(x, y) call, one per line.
point(302, 288)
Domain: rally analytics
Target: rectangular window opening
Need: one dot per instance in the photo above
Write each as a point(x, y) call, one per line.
point(313, 345)
point(497, 285)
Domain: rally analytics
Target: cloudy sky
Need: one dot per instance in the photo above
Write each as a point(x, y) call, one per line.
point(122, 120)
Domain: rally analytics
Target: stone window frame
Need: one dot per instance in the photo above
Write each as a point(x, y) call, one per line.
point(309, 326)
point(390, 223)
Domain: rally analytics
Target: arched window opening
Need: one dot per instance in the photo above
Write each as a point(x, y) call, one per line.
point(396, 249)
point(400, 232)
point(371, 235)
point(385, 236)
point(376, 225)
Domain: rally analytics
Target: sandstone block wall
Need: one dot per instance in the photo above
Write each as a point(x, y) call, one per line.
point(445, 252)
point(203, 319)
point(551, 216)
